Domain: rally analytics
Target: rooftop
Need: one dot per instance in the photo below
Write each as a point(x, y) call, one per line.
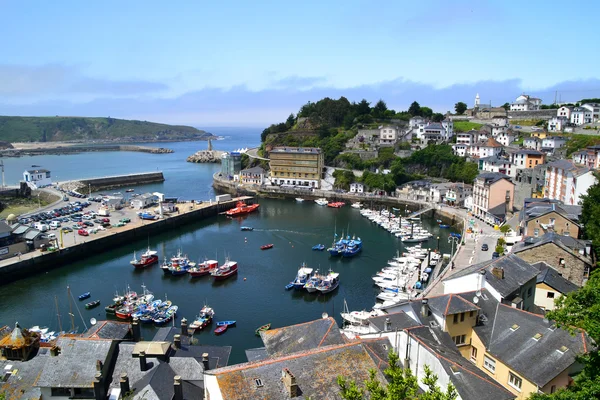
point(492, 177)
point(253, 170)
point(397, 321)
point(530, 152)
point(37, 171)
point(450, 304)
point(552, 278)
point(313, 150)
point(109, 330)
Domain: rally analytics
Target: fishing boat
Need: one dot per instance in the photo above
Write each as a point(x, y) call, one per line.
point(329, 283)
point(319, 247)
point(111, 308)
point(321, 202)
point(266, 246)
point(241, 208)
point(204, 318)
point(148, 258)
point(336, 204)
point(356, 205)
point(165, 267)
point(125, 311)
point(263, 328)
point(246, 228)
point(299, 199)
point(220, 329)
point(180, 264)
point(92, 304)
point(229, 268)
point(84, 296)
point(353, 247)
point(204, 268)
point(166, 316)
point(302, 276)
point(313, 282)
point(227, 323)
point(444, 226)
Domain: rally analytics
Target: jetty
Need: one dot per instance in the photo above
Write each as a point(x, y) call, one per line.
point(206, 156)
point(115, 181)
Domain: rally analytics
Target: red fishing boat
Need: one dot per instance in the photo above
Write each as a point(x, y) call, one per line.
point(148, 258)
point(336, 204)
point(204, 268)
point(241, 208)
point(266, 246)
point(220, 329)
point(226, 270)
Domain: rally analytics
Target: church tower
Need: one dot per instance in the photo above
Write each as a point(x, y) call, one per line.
point(476, 101)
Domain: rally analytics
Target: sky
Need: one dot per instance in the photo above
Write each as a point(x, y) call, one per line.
point(242, 63)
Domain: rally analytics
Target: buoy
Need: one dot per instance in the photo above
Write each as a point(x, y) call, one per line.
point(244, 278)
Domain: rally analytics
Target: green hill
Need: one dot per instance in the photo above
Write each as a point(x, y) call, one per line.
point(57, 129)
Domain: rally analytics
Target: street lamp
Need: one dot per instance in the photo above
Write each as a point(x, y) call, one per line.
point(453, 240)
point(438, 243)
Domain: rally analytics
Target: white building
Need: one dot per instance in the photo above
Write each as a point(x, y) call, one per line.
point(526, 103)
point(388, 134)
point(500, 120)
point(482, 136)
point(553, 142)
point(252, 176)
point(557, 124)
point(37, 178)
point(143, 201)
point(564, 111)
point(581, 115)
point(532, 143)
point(460, 150)
point(448, 126)
point(567, 182)
point(457, 194)
point(594, 108)
point(505, 138)
point(468, 204)
point(497, 164)
point(467, 138)
point(489, 148)
point(357, 187)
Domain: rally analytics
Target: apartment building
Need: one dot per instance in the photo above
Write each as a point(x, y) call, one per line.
point(526, 103)
point(567, 182)
point(527, 158)
point(497, 164)
point(588, 157)
point(298, 166)
point(493, 195)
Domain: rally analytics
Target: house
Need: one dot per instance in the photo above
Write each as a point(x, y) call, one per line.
point(114, 202)
point(509, 279)
point(37, 178)
point(433, 132)
point(500, 120)
point(582, 115)
point(468, 204)
point(448, 126)
point(388, 135)
point(143, 201)
point(357, 187)
point(557, 124)
point(482, 135)
point(505, 138)
point(550, 286)
point(493, 195)
point(460, 149)
point(552, 143)
point(252, 176)
point(588, 157)
point(571, 257)
point(532, 143)
point(414, 122)
point(594, 109)
point(489, 148)
point(567, 182)
point(527, 158)
point(466, 138)
point(437, 192)
point(564, 112)
point(415, 190)
point(540, 216)
point(529, 183)
point(298, 166)
point(19, 345)
point(497, 164)
point(526, 103)
point(457, 193)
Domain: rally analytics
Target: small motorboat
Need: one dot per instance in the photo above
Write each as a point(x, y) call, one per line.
point(246, 228)
point(319, 247)
point(220, 329)
point(299, 199)
point(289, 286)
point(84, 296)
point(263, 328)
point(227, 323)
point(92, 304)
point(130, 190)
point(443, 226)
point(266, 246)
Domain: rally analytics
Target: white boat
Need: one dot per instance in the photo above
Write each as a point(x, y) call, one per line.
point(389, 304)
point(321, 202)
point(299, 199)
point(360, 317)
point(391, 296)
point(356, 205)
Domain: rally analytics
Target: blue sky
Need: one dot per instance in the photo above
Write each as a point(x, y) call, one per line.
point(252, 63)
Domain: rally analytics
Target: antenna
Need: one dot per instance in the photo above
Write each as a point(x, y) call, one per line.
point(478, 293)
point(324, 315)
point(93, 321)
point(2, 166)
point(475, 299)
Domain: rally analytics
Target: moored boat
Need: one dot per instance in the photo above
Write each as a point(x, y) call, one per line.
point(229, 268)
point(336, 204)
point(263, 328)
point(220, 329)
point(246, 228)
point(149, 257)
point(356, 205)
point(329, 282)
point(204, 268)
point(241, 208)
point(228, 323)
point(266, 246)
point(321, 202)
point(313, 282)
point(204, 318)
point(84, 296)
point(92, 304)
point(166, 316)
point(319, 247)
point(302, 276)
point(299, 199)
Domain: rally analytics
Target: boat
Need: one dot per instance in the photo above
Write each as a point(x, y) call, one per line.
point(180, 264)
point(110, 309)
point(299, 199)
point(166, 316)
point(353, 247)
point(227, 323)
point(241, 208)
point(246, 228)
point(266, 246)
point(147, 216)
point(220, 329)
point(329, 283)
point(92, 304)
point(289, 286)
point(313, 282)
point(84, 296)
point(321, 202)
point(444, 226)
point(336, 204)
point(356, 205)
point(35, 166)
point(204, 268)
point(149, 257)
point(229, 268)
point(165, 267)
point(319, 247)
point(263, 328)
point(204, 318)
point(302, 276)
point(130, 190)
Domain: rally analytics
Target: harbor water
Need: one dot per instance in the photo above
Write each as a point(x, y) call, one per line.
point(254, 297)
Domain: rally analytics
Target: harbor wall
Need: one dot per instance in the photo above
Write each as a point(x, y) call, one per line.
point(109, 182)
point(39, 264)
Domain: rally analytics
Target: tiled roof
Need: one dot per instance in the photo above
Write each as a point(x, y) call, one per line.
point(109, 330)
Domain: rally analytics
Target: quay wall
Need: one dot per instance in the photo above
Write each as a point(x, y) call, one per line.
point(36, 265)
point(109, 182)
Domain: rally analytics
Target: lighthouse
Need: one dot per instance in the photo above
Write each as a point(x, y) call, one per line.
point(476, 101)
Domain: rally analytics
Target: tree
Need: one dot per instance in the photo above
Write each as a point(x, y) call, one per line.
point(402, 385)
point(379, 109)
point(460, 108)
point(505, 229)
point(506, 106)
point(364, 107)
point(290, 121)
point(590, 215)
point(437, 117)
point(426, 112)
point(499, 249)
point(414, 109)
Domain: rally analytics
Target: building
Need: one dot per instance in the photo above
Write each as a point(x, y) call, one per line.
point(252, 176)
point(532, 143)
point(526, 103)
point(419, 190)
point(527, 158)
point(588, 157)
point(489, 148)
point(572, 258)
point(19, 345)
point(567, 182)
point(529, 183)
point(466, 138)
point(143, 201)
point(433, 132)
point(564, 112)
point(388, 135)
point(594, 109)
point(357, 187)
point(231, 164)
point(460, 150)
point(500, 120)
point(557, 124)
point(448, 126)
point(540, 216)
point(550, 286)
point(298, 166)
point(37, 178)
point(497, 164)
point(582, 115)
point(505, 138)
point(493, 195)
point(551, 143)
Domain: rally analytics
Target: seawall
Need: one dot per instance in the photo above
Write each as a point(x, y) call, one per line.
point(38, 264)
point(109, 182)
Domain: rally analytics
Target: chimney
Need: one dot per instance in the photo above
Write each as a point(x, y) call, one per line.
point(136, 330)
point(143, 363)
point(387, 326)
point(498, 272)
point(54, 351)
point(177, 341)
point(98, 365)
point(289, 381)
point(481, 279)
point(178, 388)
point(124, 383)
point(184, 327)
point(205, 361)
point(99, 393)
point(424, 308)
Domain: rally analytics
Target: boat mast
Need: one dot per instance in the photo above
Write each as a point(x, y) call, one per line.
point(71, 310)
point(58, 314)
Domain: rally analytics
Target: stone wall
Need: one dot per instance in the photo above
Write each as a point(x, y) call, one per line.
point(572, 269)
point(539, 114)
point(110, 182)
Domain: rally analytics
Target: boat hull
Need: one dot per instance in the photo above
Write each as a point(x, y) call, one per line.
point(145, 263)
point(224, 276)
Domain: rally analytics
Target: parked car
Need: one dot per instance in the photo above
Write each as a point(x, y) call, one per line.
point(83, 232)
point(495, 255)
point(484, 247)
point(125, 220)
point(67, 229)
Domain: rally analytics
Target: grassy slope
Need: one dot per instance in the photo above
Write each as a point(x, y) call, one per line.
point(52, 129)
point(466, 126)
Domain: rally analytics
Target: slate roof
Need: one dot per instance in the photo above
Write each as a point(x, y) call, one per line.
point(253, 170)
point(301, 337)
point(535, 208)
point(109, 330)
point(435, 126)
point(75, 366)
point(496, 160)
point(21, 384)
point(257, 354)
point(399, 320)
point(21, 229)
point(37, 171)
point(5, 228)
point(539, 361)
point(316, 372)
point(450, 304)
point(552, 278)
point(561, 241)
point(492, 177)
point(313, 150)
point(565, 165)
point(32, 234)
point(517, 272)
point(218, 356)
point(530, 152)
point(498, 211)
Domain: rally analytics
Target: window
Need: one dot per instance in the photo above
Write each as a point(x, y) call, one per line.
point(552, 389)
point(258, 383)
point(455, 318)
point(55, 392)
point(536, 232)
point(459, 340)
point(550, 295)
point(462, 317)
point(552, 220)
point(474, 354)
point(489, 364)
point(529, 292)
point(471, 314)
point(515, 381)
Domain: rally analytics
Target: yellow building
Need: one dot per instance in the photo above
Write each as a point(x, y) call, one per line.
point(539, 134)
point(551, 286)
point(296, 166)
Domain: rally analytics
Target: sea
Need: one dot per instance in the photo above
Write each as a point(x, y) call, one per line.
point(256, 296)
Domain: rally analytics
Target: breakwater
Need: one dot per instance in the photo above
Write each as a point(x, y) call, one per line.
point(74, 149)
point(110, 182)
point(118, 236)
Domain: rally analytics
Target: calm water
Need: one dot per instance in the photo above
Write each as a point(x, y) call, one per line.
point(256, 296)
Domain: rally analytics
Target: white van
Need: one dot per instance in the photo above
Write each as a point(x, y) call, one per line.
point(54, 225)
point(40, 226)
point(51, 236)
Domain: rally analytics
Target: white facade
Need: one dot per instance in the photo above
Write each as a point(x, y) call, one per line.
point(460, 150)
point(494, 164)
point(388, 134)
point(465, 138)
point(526, 103)
point(448, 126)
point(456, 194)
point(553, 142)
point(505, 138)
point(37, 178)
point(532, 143)
point(482, 150)
point(557, 124)
point(594, 109)
point(582, 115)
point(357, 188)
point(482, 136)
point(500, 121)
point(564, 111)
point(468, 204)
point(567, 183)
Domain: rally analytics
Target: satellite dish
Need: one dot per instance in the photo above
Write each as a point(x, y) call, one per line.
point(93, 321)
point(478, 293)
point(324, 315)
point(475, 299)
